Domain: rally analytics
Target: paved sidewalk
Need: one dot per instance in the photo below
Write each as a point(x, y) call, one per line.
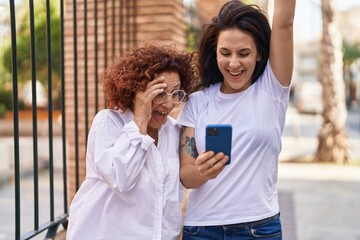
point(303, 148)
point(319, 201)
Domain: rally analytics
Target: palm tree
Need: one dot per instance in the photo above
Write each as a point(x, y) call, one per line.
point(333, 140)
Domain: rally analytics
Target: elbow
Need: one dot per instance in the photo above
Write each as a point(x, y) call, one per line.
point(190, 183)
point(287, 25)
point(187, 184)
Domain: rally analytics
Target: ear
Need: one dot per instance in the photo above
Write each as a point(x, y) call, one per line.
point(258, 58)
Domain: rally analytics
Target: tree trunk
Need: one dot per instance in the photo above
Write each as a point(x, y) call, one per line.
point(333, 140)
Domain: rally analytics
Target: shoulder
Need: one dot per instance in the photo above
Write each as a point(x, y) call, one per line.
point(202, 94)
point(171, 121)
point(171, 124)
point(270, 84)
point(112, 116)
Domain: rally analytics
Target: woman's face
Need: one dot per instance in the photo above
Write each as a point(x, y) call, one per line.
point(236, 58)
point(162, 110)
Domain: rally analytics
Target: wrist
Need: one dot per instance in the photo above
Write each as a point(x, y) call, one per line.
point(142, 124)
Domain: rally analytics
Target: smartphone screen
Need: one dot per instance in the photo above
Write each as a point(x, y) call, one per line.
point(218, 139)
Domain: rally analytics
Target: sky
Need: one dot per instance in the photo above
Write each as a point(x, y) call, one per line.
point(307, 23)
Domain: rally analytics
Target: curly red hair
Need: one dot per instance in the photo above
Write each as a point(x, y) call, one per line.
point(139, 66)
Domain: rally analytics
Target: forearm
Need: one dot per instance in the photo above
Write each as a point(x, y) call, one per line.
point(190, 177)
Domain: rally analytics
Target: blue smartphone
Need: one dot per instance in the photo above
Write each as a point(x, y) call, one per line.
point(218, 138)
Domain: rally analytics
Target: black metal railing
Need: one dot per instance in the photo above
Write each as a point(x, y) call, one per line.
point(57, 216)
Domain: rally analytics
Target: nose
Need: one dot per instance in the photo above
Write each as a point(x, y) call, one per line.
point(234, 62)
point(168, 103)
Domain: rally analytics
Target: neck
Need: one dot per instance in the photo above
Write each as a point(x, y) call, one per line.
point(154, 133)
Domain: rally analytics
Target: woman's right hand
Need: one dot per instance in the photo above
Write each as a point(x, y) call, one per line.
point(210, 165)
point(143, 102)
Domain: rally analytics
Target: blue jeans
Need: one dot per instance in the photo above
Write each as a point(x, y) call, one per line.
point(269, 229)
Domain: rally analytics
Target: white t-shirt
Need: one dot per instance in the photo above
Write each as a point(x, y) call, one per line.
point(246, 189)
point(132, 188)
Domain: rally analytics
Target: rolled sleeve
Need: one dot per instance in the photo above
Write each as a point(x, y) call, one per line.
point(133, 132)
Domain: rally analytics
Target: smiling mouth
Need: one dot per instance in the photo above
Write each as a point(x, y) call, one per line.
point(235, 74)
point(160, 115)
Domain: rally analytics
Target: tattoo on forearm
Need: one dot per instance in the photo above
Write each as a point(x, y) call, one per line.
point(190, 145)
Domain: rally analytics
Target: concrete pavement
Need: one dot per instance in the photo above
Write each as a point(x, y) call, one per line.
point(319, 201)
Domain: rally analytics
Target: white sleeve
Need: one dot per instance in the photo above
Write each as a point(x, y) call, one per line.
point(119, 153)
point(272, 86)
point(187, 116)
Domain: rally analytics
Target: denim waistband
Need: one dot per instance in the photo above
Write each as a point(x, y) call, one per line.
point(254, 223)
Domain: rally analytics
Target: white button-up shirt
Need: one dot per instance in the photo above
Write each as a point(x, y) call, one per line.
point(132, 188)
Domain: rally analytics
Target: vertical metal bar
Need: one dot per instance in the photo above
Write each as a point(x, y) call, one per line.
point(16, 120)
point(121, 27)
point(63, 116)
point(105, 33)
point(86, 73)
point(134, 24)
point(127, 24)
point(50, 110)
point(96, 58)
point(76, 98)
point(113, 50)
point(105, 41)
point(34, 116)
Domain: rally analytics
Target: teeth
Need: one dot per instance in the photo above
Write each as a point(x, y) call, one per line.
point(235, 73)
point(164, 113)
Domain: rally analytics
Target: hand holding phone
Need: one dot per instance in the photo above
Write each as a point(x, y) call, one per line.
point(218, 139)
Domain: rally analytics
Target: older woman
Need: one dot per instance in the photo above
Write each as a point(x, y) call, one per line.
point(132, 188)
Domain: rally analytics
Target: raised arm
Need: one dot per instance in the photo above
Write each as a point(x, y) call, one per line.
point(281, 43)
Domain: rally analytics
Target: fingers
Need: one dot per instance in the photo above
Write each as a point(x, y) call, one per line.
point(154, 88)
point(210, 165)
point(151, 91)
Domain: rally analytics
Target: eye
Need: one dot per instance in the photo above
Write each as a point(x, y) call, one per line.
point(243, 55)
point(226, 54)
point(163, 94)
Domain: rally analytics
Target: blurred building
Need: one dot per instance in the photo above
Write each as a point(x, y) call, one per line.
point(349, 25)
point(208, 9)
point(306, 63)
point(307, 54)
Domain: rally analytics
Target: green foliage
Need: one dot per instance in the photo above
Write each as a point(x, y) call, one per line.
point(24, 46)
point(192, 37)
point(6, 99)
point(351, 52)
point(2, 110)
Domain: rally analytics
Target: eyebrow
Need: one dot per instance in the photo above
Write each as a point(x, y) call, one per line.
point(177, 86)
point(241, 50)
